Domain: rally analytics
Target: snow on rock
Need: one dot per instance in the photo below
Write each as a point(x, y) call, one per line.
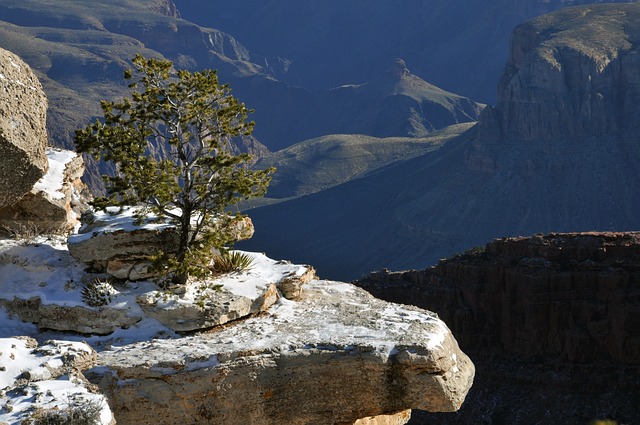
point(233, 296)
point(41, 283)
point(46, 378)
point(114, 242)
point(52, 183)
point(335, 356)
point(55, 200)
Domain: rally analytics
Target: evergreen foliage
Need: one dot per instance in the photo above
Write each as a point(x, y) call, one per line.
point(193, 119)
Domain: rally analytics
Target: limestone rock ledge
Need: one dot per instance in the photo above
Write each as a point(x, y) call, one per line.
point(36, 379)
point(335, 356)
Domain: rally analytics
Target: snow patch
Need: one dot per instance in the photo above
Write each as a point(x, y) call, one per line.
point(52, 182)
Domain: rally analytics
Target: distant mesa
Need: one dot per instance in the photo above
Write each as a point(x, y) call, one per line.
point(570, 76)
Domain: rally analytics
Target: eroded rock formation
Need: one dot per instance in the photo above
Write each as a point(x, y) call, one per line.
point(23, 136)
point(55, 202)
point(336, 356)
point(545, 317)
point(570, 75)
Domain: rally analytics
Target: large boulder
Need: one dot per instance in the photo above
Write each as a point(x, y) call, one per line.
point(55, 202)
point(336, 356)
point(23, 134)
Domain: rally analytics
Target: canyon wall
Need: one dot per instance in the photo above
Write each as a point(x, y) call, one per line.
point(550, 321)
point(570, 75)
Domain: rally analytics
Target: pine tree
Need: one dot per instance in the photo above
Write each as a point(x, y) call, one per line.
point(194, 119)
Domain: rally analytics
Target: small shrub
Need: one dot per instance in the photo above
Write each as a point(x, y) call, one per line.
point(97, 293)
point(232, 261)
point(205, 294)
point(88, 413)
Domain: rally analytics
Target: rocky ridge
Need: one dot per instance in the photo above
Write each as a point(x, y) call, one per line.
point(565, 302)
point(557, 153)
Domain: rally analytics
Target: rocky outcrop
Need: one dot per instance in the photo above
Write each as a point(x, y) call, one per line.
point(23, 136)
point(216, 302)
point(80, 319)
point(112, 242)
point(570, 74)
point(570, 297)
point(559, 312)
point(55, 202)
point(37, 381)
point(336, 356)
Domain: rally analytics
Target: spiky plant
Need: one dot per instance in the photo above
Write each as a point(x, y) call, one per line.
point(232, 261)
point(97, 293)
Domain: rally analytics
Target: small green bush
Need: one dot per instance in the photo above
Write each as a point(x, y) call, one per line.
point(232, 261)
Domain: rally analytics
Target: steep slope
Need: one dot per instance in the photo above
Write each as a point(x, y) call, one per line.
point(80, 48)
point(491, 182)
point(320, 163)
point(460, 45)
point(395, 103)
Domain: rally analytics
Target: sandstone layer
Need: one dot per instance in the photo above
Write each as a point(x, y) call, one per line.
point(550, 317)
point(570, 74)
point(23, 134)
point(336, 356)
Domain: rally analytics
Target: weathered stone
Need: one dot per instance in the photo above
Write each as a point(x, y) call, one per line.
point(85, 320)
point(214, 308)
point(55, 202)
point(399, 418)
point(214, 302)
point(23, 135)
point(291, 286)
point(48, 377)
point(112, 243)
point(336, 356)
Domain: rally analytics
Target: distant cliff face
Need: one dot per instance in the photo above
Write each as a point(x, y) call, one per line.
point(571, 297)
point(551, 323)
point(574, 73)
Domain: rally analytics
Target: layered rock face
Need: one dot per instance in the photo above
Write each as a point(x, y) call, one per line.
point(570, 75)
point(571, 297)
point(23, 136)
point(336, 356)
point(559, 313)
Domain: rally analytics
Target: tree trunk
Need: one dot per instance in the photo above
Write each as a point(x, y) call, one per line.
point(182, 275)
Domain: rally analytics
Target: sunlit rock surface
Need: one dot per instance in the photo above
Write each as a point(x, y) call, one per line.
point(23, 136)
point(335, 356)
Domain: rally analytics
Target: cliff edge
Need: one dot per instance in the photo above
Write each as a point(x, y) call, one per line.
point(574, 73)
